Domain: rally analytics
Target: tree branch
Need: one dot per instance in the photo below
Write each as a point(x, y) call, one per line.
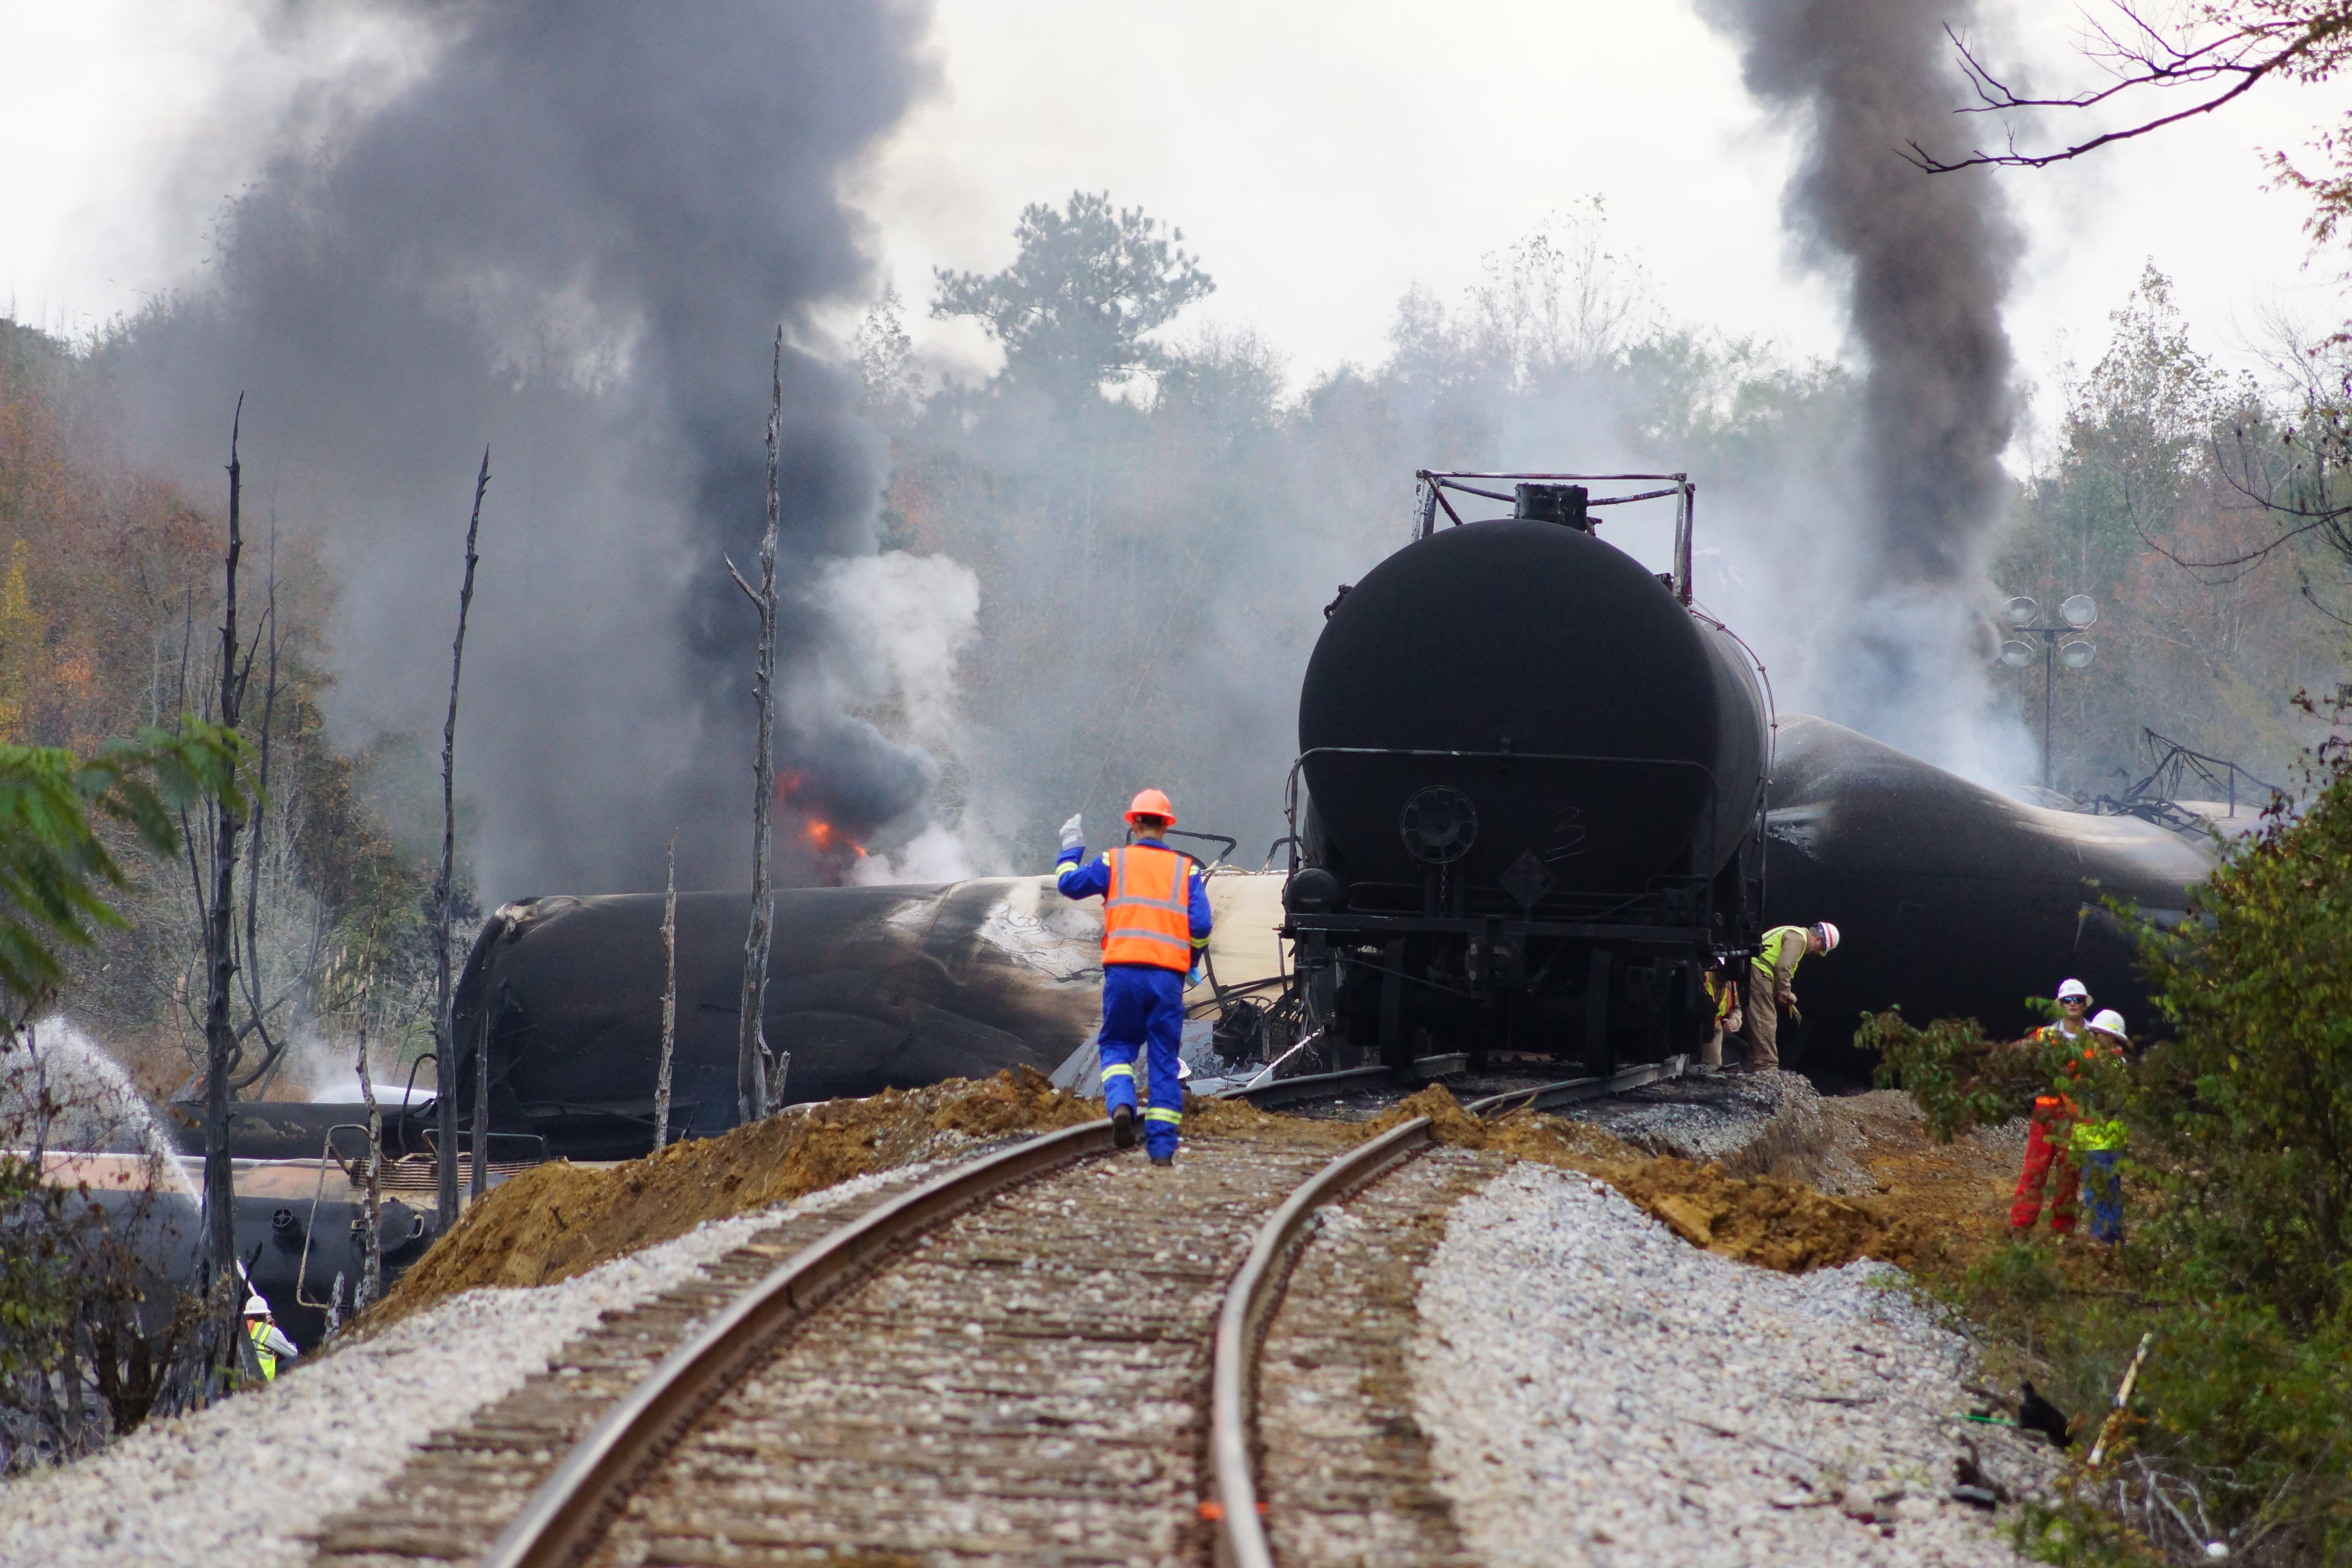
point(2153, 63)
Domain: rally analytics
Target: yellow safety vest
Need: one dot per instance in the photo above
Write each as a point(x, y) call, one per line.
point(1776, 943)
point(257, 1331)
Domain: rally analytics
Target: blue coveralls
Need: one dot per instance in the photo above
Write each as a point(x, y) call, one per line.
point(1142, 1002)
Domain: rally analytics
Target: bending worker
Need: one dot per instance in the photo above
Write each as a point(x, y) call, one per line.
point(1769, 973)
point(1155, 934)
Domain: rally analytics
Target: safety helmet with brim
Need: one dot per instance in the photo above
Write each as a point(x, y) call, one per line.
point(1151, 806)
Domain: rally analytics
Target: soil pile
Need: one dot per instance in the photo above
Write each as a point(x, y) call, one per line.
point(560, 1219)
point(1774, 1223)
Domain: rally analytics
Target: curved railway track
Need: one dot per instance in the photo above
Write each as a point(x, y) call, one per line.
point(1043, 1356)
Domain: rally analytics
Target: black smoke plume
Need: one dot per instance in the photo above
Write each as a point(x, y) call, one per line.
point(1926, 261)
point(568, 234)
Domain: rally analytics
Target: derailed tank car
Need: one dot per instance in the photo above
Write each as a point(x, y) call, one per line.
point(869, 988)
point(1955, 901)
point(1534, 789)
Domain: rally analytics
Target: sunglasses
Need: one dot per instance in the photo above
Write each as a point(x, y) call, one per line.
point(2073, 1001)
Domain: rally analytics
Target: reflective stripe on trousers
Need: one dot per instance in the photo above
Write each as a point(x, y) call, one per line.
point(1143, 1012)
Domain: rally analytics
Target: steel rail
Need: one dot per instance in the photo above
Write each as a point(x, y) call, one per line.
point(1308, 1086)
point(565, 1517)
point(1241, 1539)
point(1568, 1091)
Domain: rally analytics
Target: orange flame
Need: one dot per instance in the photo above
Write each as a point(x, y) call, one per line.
point(824, 835)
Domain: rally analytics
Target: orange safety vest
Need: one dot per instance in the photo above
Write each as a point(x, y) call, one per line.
point(1146, 914)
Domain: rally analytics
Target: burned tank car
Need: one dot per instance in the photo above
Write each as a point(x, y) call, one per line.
point(869, 988)
point(1534, 784)
point(1955, 901)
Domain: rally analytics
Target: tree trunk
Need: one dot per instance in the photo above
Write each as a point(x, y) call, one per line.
point(444, 1045)
point(480, 1182)
point(751, 1042)
point(669, 1003)
point(220, 963)
point(372, 1206)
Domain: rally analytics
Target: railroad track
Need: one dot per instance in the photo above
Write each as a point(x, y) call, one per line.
point(1047, 1354)
point(1381, 1083)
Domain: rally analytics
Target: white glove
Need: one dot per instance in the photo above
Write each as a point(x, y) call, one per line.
point(1074, 837)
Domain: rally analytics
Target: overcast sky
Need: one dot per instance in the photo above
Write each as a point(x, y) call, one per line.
point(1319, 156)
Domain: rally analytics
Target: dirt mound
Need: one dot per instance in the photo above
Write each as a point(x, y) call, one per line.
point(1773, 1223)
point(1776, 1225)
point(558, 1220)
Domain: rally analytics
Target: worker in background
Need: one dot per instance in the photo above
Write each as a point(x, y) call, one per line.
point(1769, 975)
point(268, 1344)
point(2049, 1135)
point(2098, 1140)
point(1722, 997)
point(1155, 936)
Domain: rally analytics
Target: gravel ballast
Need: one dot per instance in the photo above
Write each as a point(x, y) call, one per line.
point(1596, 1391)
point(247, 1481)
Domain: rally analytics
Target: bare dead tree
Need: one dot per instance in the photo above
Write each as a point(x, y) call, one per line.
point(444, 1046)
point(751, 1041)
point(2301, 42)
point(446, 892)
point(372, 1204)
point(669, 1001)
point(220, 962)
point(478, 1182)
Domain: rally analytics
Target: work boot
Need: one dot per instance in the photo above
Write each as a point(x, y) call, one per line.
point(1123, 1126)
point(1163, 1159)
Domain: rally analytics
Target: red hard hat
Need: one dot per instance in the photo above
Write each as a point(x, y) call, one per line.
point(1151, 803)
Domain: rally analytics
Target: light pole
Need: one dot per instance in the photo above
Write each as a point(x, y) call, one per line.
point(2078, 613)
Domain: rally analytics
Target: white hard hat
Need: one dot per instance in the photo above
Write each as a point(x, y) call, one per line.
point(2072, 988)
point(1829, 936)
point(255, 1307)
point(2110, 1022)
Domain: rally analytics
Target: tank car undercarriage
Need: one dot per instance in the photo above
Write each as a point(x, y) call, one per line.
point(1535, 777)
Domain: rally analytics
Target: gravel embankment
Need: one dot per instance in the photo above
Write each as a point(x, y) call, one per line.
point(1596, 1392)
point(244, 1481)
point(1753, 1124)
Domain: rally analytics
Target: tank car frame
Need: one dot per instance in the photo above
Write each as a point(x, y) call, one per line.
point(1512, 964)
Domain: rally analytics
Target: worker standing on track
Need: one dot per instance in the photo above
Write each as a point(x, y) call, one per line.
point(1769, 976)
point(268, 1345)
point(1155, 934)
point(2049, 1137)
point(2098, 1140)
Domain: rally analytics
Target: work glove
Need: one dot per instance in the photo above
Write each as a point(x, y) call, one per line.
point(1073, 835)
point(1200, 970)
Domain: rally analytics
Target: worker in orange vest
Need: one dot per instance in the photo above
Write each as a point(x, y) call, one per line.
point(1155, 934)
point(2049, 1135)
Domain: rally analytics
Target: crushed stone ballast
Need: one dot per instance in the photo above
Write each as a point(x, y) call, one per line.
point(1015, 1353)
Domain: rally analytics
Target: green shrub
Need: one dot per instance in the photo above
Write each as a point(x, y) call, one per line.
point(2252, 1098)
point(1960, 1079)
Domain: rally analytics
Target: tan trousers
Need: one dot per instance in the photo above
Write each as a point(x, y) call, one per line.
point(1763, 1021)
